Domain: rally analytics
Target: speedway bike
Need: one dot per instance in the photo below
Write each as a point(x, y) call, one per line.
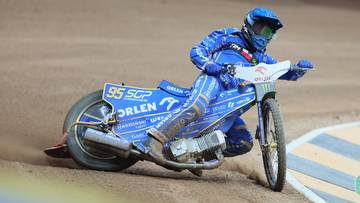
point(105, 129)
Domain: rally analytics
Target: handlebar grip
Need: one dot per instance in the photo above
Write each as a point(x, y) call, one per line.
point(296, 67)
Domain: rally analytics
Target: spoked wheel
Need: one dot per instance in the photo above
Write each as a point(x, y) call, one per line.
point(91, 108)
point(274, 154)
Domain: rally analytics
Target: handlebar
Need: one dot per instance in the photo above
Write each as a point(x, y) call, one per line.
point(296, 67)
point(228, 68)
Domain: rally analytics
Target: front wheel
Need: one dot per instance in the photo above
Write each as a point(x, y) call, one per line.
point(274, 151)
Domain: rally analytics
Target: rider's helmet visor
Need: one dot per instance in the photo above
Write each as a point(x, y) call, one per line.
point(264, 29)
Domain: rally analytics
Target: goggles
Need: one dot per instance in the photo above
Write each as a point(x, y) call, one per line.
point(263, 29)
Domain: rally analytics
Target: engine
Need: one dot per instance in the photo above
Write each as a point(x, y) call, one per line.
point(204, 147)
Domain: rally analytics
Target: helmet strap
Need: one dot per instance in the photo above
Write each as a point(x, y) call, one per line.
point(246, 32)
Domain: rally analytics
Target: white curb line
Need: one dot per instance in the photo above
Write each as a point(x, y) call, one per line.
point(301, 140)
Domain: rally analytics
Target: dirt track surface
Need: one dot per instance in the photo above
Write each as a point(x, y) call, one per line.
point(54, 52)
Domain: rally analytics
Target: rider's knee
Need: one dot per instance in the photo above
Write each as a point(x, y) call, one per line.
point(238, 142)
point(204, 90)
point(199, 105)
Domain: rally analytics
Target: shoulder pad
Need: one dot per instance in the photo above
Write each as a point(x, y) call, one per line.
point(232, 30)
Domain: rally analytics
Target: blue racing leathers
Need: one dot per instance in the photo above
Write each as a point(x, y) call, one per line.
point(215, 49)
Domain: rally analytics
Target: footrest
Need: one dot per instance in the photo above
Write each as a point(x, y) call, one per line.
point(60, 151)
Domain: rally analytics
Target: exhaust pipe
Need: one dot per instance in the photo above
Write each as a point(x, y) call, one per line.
point(108, 142)
point(177, 165)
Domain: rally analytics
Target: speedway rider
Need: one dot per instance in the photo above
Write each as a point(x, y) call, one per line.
point(223, 46)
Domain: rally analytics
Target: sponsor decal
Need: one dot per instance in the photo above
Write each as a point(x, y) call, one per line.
point(138, 136)
point(230, 104)
point(137, 95)
point(219, 108)
point(132, 124)
point(228, 93)
point(175, 89)
point(156, 119)
point(266, 87)
point(162, 122)
point(210, 88)
point(134, 110)
point(170, 100)
point(266, 78)
point(244, 100)
point(261, 69)
point(235, 46)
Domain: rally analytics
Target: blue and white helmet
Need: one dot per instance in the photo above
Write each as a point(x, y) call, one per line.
point(260, 26)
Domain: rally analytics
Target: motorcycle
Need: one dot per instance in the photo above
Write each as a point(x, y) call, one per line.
point(105, 130)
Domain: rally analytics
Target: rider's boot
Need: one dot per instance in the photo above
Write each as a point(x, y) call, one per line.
point(155, 145)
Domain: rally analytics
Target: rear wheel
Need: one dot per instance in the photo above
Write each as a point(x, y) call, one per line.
point(274, 153)
point(91, 108)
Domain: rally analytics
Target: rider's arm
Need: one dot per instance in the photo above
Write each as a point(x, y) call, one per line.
point(201, 54)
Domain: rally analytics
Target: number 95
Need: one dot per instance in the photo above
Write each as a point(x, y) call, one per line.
point(115, 92)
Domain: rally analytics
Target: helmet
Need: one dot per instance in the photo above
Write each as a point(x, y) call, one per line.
point(260, 27)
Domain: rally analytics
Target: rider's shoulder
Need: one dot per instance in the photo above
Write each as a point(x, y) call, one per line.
point(262, 56)
point(227, 31)
point(232, 30)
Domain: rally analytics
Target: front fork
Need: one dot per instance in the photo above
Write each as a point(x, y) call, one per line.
point(260, 131)
point(263, 91)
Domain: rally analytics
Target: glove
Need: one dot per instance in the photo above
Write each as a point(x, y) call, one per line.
point(213, 69)
point(299, 73)
point(305, 64)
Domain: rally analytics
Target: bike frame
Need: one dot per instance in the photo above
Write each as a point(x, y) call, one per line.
point(138, 109)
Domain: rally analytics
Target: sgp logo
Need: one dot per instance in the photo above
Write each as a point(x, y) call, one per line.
point(170, 100)
point(138, 94)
